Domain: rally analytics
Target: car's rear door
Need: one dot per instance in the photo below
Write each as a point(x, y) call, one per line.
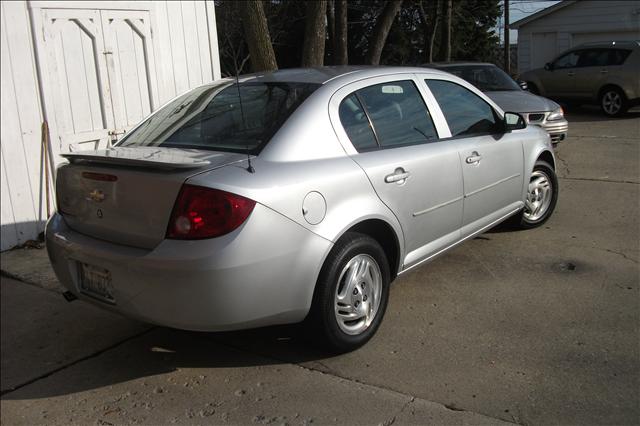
point(491, 160)
point(591, 72)
point(396, 140)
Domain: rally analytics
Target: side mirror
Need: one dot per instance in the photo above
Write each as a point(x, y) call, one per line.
point(513, 121)
point(548, 66)
point(523, 85)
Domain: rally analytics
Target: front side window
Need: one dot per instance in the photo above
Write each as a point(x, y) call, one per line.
point(222, 119)
point(570, 60)
point(466, 113)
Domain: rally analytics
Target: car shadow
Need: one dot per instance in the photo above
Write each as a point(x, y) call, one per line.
point(162, 351)
point(592, 113)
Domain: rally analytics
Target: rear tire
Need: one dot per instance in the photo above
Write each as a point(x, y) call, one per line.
point(542, 196)
point(351, 293)
point(613, 102)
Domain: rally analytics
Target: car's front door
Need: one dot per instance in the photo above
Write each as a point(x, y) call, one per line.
point(491, 160)
point(559, 80)
point(413, 172)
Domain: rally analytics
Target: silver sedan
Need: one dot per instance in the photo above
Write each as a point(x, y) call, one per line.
point(294, 195)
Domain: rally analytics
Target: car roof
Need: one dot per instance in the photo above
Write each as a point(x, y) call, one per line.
point(322, 75)
point(458, 64)
point(605, 44)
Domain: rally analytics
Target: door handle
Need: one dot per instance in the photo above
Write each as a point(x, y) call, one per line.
point(603, 71)
point(571, 74)
point(399, 176)
point(474, 158)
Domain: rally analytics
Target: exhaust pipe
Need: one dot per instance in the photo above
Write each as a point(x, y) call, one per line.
point(68, 296)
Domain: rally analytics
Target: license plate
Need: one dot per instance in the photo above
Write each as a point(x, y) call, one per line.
point(96, 282)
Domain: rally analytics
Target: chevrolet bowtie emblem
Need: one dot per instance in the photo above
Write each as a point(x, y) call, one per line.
point(96, 195)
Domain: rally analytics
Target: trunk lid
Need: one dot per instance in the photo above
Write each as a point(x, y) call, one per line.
point(126, 195)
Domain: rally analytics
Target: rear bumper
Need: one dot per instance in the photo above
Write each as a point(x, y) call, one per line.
point(263, 273)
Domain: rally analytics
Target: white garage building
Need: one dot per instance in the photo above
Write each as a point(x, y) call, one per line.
point(92, 70)
point(545, 34)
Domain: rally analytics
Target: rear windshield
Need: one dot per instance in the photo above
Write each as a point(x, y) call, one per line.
point(225, 119)
point(487, 78)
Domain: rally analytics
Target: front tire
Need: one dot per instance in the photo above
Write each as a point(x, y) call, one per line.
point(351, 293)
point(542, 196)
point(613, 102)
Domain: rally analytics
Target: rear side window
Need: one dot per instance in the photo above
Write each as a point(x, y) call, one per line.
point(356, 124)
point(466, 113)
point(618, 56)
point(387, 115)
point(398, 113)
point(593, 58)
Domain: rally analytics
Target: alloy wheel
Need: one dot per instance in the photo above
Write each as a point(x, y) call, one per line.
point(539, 196)
point(611, 102)
point(358, 294)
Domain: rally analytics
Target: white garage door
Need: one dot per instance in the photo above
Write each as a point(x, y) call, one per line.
point(543, 48)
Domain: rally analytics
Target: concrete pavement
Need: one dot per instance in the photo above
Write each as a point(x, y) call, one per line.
point(532, 327)
point(115, 371)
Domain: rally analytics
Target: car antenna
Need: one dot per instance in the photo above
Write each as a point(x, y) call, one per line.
point(250, 168)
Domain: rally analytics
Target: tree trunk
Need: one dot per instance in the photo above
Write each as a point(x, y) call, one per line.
point(432, 37)
point(314, 34)
point(256, 33)
point(381, 31)
point(446, 32)
point(340, 46)
point(330, 40)
point(430, 30)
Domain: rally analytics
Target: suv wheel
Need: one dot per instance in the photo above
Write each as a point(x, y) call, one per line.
point(613, 102)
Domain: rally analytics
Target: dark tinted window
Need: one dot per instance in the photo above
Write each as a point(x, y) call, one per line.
point(593, 58)
point(465, 112)
point(617, 56)
point(569, 60)
point(485, 77)
point(210, 118)
point(398, 113)
point(356, 124)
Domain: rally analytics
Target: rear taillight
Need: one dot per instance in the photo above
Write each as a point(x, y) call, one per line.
point(206, 213)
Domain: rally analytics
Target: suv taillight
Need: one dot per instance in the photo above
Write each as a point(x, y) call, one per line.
point(206, 213)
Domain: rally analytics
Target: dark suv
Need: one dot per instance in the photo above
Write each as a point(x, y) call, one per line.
point(607, 73)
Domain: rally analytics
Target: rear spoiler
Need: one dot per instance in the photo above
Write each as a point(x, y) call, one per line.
point(153, 158)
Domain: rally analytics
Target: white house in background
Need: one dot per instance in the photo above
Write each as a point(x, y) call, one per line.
point(547, 33)
point(92, 70)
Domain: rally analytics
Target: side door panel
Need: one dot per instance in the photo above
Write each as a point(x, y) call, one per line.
point(428, 202)
point(491, 160)
point(493, 185)
point(560, 81)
